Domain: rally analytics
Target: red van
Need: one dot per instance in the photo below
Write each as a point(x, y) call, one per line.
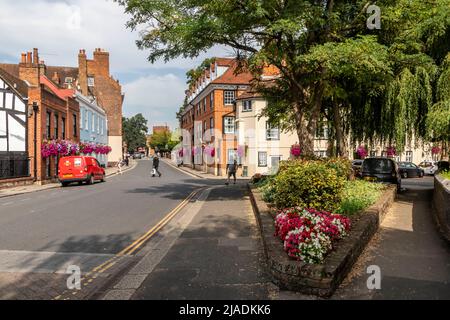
point(79, 169)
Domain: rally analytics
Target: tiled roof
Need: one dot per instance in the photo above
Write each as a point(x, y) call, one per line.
point(230, 76)
point(63, 72)
point(224, 61)
point(61, 93)
point(16, 83)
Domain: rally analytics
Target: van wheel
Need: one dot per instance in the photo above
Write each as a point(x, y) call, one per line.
point(103, 178)
point(90, 180)
point(64, 184)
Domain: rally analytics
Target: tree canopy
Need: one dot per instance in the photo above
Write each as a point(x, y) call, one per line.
point(134, 131)
point(376, 83)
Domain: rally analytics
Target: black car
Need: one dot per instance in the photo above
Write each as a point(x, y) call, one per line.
point(381, 170)
point(410, 170)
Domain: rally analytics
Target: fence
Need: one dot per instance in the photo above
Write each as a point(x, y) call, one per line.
point(14, 167)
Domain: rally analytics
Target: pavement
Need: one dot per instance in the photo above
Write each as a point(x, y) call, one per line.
point(200, 174)
point(8, 192)
point(413, 258)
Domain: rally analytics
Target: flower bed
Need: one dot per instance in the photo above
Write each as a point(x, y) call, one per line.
point(308, 234)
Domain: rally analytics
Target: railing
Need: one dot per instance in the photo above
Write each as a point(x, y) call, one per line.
point(14, 168)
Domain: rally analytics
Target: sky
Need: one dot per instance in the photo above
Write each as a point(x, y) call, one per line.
point(60, 28)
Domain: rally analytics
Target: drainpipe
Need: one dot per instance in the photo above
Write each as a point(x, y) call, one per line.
point(35, 111)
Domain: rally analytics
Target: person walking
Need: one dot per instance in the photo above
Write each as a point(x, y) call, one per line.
point(156, 165)
point(120, 165)
point(231, 171)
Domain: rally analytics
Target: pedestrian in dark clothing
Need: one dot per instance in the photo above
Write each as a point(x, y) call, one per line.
point(231, 170)
point(156, 165)
point(127, 161)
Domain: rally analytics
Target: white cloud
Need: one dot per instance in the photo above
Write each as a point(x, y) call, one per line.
point(60, 28)
point(155, 97)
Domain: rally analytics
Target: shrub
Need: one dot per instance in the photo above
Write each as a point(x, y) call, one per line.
point(358, 195)
point(308, 184)
point(267, 189)
point(445, 174)
point(308, 234)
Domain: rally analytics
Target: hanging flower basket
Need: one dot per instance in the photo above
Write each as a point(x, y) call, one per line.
point(241, 151)
point(391, 152)
point(296, 151)
point(67, 148)
point(361, 152)
point(435, 150)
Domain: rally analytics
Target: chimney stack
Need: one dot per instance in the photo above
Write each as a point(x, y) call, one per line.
point(35, 56)
point(55, 77)
point(29, 59)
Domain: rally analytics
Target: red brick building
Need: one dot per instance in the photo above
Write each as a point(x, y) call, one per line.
point(51, 112)
point(209, 122)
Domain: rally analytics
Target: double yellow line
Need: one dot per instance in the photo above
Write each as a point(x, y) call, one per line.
point(128, 251)
point(139, 242)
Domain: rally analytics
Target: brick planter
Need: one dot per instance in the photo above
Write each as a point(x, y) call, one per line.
point(441, 205)
point(317, 279)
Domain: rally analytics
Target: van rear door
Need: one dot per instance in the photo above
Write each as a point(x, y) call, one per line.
point(71, 167)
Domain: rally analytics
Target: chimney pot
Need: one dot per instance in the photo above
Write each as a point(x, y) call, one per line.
point(24, 58)
point(35, 56)
point(29, 57)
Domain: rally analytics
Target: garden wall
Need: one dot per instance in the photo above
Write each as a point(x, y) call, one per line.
point(441, 205)
point(320, 279)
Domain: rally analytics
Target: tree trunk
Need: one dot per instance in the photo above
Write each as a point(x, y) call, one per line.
point(341, 138)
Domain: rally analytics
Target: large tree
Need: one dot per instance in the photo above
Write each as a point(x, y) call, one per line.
point(134, 131)
point(301, 38)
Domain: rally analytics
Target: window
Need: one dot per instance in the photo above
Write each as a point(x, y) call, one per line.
point(98, 124)
point(101, 126)
point(272, 132)
point(211, 123)
point(262, 159)
point(228, 97)
point(211, 100)
point(204, 126)
point(229, 125)
point(47, 123)
point(246, 105)
point(63, 128)
point(91, 81)
point(93, 122)
point(204, 105)
point(321, 153)
point(409, 156)
point(81, 117)
point(75, 125)
point(56, 126)
point(86, 120)
point(275, 163)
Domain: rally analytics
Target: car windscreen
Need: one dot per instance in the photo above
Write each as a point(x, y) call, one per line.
point(377, 166)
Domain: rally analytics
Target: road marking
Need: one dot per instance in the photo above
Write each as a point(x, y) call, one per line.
point(128, 251)
point(139, 242)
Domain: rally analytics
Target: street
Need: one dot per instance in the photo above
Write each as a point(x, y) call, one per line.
point(42, 233)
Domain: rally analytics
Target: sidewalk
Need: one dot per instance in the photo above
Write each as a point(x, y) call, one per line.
point(8, 192)
point(211, 250)
point(198, 173)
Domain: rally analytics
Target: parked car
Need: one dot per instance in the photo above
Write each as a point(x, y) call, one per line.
point(429, 167)
point(80, 169)
point(443, 166)
point(137, 155)
point(356, 166)
point(410, 170)
point(383, 170)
